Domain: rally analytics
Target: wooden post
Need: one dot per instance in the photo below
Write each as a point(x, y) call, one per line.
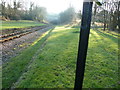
point(83, 44)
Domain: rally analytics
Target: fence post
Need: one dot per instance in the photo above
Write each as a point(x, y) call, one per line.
point(83, 44)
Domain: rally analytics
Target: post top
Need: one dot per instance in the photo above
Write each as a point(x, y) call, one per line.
point(98, 2)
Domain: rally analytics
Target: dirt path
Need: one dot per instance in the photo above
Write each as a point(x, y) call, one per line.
point(13, 47)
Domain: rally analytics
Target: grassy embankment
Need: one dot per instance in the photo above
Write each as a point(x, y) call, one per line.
point(54, 65)
point(18, 24)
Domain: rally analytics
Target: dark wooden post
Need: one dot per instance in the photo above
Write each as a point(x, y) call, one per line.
point(83, 44)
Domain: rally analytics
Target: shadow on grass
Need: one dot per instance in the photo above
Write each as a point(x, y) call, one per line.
point(114, 39)
point(76, 32)
point(106, 64)
point(112, 35)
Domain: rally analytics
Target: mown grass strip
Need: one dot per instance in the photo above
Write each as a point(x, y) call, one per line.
point(54, 67)
point(19, 24)
point(13, 69)
point(102, 61)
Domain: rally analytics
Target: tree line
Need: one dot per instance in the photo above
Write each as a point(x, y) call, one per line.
point(67, 16)
point(108, 14)
point(15, 10)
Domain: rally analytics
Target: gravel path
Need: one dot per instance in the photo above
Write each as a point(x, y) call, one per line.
point(13, 47)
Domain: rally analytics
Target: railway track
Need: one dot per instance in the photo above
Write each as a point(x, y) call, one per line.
point(18, 34)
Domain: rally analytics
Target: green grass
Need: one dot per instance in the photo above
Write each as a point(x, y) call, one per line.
point(54, 66)
point(102, 61)
point(19, 24)
point(13, 69)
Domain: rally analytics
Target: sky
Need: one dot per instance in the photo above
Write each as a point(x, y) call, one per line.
point(56, 6)
point(53, 6)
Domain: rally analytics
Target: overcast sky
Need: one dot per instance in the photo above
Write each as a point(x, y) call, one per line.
point(56, 6)
point(53, 6)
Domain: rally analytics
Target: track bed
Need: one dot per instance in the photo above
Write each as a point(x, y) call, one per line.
point(13, 43)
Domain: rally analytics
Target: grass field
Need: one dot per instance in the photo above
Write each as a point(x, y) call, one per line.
point(52, 64)
point(19, 24)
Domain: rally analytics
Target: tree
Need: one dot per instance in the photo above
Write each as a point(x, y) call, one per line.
point(79, 14)
point(38, 13)
point(14, 10)
point(68, 15)
point(3, 10)
point(108, 14)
